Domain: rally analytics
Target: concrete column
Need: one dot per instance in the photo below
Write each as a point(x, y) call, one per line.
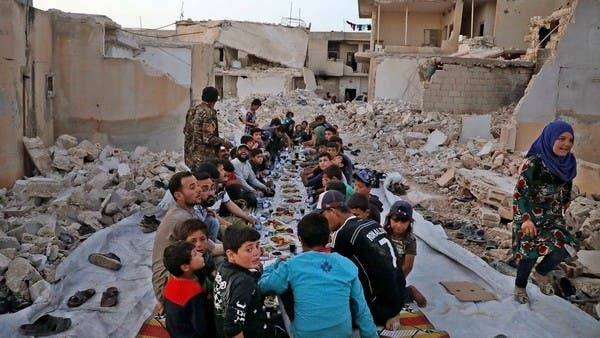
point(472, 16)
point(374, 19)
point(406, 26)
point(378, 20)
point(202, 70)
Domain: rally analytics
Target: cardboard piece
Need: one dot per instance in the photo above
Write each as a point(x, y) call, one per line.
point(469, 292)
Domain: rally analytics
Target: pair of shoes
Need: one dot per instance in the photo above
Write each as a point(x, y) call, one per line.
point(107, 260)
point(521, 295)
point(149, 224)
point(543, 282)
point(80, 297)
point(46, 325)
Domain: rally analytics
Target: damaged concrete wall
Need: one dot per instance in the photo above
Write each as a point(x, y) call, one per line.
point(268, 84)
point(12, 58)
point(397, 78)
point(104, 99)
point(175, 61)
point(512, 19)
point(568, 87)
point(25, 63)
point(275, 43)
point(475, 86)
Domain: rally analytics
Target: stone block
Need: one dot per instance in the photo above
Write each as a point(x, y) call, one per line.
point(446, 178)
point(66, 141)
point(19, 274)
point(42, 187)
point(40, 289)
point(489, 217)
point(9, 242)
point(505, 213)
point(4, 262)
point(39, 154)
point(124, 172)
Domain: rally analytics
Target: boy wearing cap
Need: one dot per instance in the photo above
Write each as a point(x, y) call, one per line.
point(362, 185)
point(369, 247)
point(398, 225)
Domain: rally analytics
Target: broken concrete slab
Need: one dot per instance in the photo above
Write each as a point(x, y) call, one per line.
point(124, 172)
point(434, 141)
point(66, 141)
point(309, 79)
point(446, 178)
point(42, 187)
point(476, 127)
point(488, 187)
point(19, 273)
point(590, 259)
point(489, 217)
point(38, 153)
point(4, 262)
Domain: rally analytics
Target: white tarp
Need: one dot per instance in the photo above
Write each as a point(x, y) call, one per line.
point(438, 259)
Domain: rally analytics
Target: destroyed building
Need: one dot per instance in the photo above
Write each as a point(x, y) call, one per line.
point(331, 57)
point(248, 57)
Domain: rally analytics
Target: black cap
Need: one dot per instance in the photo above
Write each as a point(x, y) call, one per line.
point(403, 209)
point(330, 199)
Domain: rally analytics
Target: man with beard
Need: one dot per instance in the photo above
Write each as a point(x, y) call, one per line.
point(245, 174)
point(184, 188)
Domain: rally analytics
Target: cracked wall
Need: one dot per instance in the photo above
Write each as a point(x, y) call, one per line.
point(104, 99)
point(459, 85)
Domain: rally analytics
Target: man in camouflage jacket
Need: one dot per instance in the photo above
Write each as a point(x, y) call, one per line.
point(201, 131)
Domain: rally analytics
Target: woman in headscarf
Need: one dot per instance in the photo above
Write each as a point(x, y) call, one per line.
point(542, 194)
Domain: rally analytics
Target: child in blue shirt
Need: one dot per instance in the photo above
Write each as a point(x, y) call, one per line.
point(328, 296)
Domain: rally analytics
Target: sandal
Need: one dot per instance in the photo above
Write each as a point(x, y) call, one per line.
point(478, 237)
point(46, 325)
point(80, 297)
point(110, 297)
point(521, 295)
point(108, 260)
point(543, 282)
point(466, 230)
point(491, 244)
point(149, 224)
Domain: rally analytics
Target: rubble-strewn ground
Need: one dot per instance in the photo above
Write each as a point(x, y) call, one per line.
point(452, 181)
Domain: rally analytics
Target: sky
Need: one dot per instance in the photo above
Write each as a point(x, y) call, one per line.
point(323, 15)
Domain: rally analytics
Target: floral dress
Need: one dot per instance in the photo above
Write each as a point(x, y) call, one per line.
point(540, 196)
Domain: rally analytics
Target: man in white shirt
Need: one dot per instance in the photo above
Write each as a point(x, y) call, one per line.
point(244, 172)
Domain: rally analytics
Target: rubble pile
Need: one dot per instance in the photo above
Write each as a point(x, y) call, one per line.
point(82, 188)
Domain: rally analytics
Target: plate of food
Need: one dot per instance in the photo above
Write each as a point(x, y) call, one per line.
point(281, 241)
point(293, 200)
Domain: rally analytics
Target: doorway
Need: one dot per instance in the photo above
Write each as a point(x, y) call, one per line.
point(349, 94)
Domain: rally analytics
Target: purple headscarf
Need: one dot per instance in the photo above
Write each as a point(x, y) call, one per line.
point(565, 167)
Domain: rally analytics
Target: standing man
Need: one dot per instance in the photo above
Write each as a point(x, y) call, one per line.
point(250, 121)
point(369, 247)
point(201, 131)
